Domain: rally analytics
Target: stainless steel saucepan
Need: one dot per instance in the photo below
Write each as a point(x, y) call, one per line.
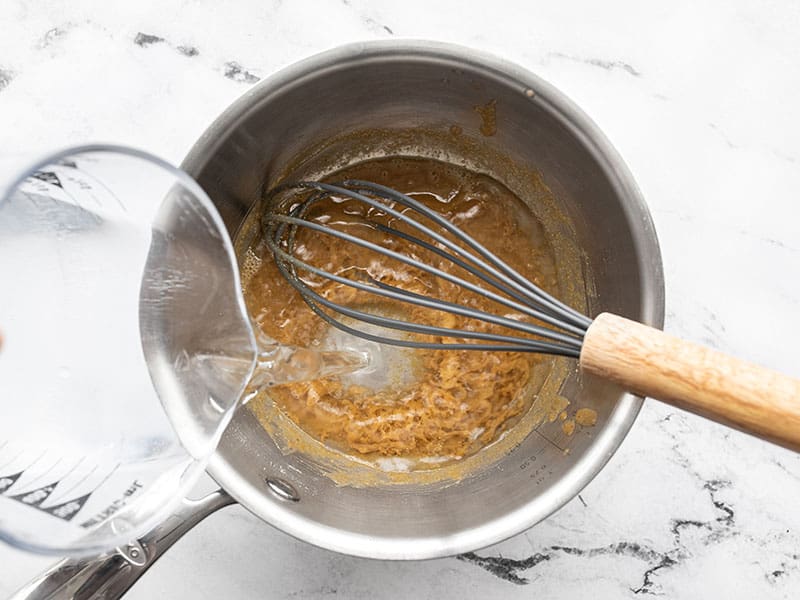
point(393, 89)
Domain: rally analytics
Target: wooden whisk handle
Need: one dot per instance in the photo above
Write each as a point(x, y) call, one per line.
point(734, 392)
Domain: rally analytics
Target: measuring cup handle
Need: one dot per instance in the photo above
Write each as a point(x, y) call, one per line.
point(110, 575)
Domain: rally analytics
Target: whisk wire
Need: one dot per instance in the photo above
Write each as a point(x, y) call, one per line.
point(541, 300)
point(395, 293)
point(404, 296)
point(546, 299)
point(547, 318)
point(509, 343)
point(530, 300)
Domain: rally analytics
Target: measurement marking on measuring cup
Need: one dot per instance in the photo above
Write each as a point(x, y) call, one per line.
point(115, 506)
point(85, 182)
point(89, 177)
point(17, 475)
point(6, 481)
point(39, 496)
point(46, 471)
point(67, 510)
point(54, 185)
point(76, 504)
point(35, 460)
point(63, 493)
point(48, 177)
point(80, 482)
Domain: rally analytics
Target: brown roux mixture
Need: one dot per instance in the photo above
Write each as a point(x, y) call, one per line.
point(455, 402)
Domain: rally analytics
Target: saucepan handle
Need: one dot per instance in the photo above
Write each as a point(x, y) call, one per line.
point(110, 575)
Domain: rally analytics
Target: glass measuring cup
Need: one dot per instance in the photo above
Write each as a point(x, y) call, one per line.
point(125, 346)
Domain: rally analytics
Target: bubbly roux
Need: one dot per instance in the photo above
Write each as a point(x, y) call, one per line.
point(430, 405)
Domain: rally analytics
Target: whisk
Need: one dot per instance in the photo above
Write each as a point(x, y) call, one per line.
point(641, 359)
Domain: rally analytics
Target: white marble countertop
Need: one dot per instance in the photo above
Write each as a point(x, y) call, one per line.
point(699, 99)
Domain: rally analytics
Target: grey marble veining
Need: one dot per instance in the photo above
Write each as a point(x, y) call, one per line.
point(699, 100)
